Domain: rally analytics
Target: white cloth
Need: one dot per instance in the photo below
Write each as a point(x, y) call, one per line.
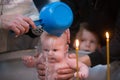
point(115, 70)
point(24, 7)
point(8, 42)
point(97, 73)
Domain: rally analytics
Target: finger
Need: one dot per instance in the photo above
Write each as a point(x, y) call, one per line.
point(40, 61)
point(41, 77)
point(40, 66)
point(23, 24)
point(65, 71)
point(82, 77)
point(64, 77)
point(14, 29)
point(21, 28)
point(29, 21)
point(72, 56)
point(41, 72)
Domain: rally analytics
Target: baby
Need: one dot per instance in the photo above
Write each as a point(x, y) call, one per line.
point(54, 51)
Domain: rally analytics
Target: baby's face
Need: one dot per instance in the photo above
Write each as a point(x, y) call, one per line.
point(55, 49)
point(88, 41)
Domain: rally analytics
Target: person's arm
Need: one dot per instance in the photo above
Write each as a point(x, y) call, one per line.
point(17, 23)
point(94, 58)
point(86, 60)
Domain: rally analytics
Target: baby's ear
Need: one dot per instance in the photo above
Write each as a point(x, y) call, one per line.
point(68, 35)
point(67, 48)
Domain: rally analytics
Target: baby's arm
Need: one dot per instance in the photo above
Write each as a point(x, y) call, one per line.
point(83, 69)
point(30, 61)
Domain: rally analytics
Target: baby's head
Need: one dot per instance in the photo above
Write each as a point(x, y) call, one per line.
point(54, 46)
point(89, 40)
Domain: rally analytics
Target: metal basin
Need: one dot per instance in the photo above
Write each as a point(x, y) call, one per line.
point(12, 67)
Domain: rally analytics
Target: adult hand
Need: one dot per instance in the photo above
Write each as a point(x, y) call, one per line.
point(41, 71)
point(65, 73)
point(40, 65)
point(17, 23)
point(72, 56)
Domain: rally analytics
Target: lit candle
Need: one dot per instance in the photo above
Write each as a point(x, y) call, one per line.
point(77, 49)
point(108, 56)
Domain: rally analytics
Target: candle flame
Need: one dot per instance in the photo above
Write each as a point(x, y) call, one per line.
point(107, 35)
point(77, 43)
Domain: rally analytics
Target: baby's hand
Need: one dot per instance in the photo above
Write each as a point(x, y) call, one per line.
point(29, 61)
point(83, 69)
